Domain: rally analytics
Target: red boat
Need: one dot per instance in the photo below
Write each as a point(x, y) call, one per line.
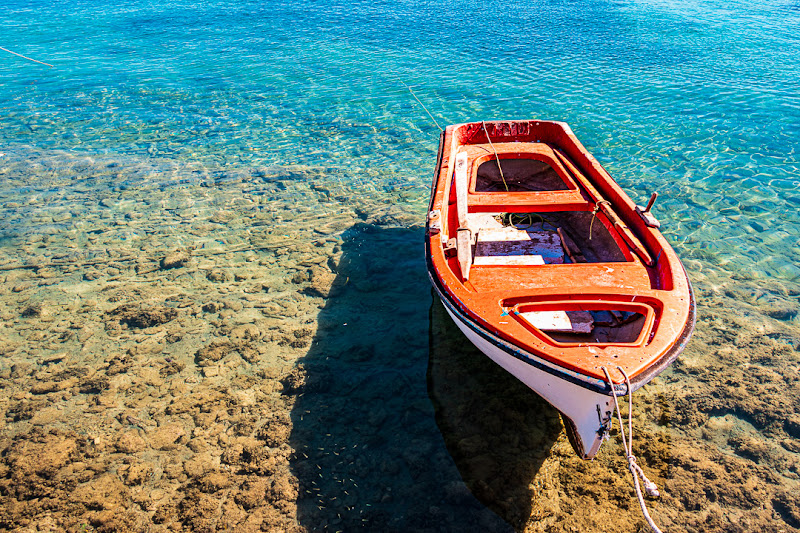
point(551, 270)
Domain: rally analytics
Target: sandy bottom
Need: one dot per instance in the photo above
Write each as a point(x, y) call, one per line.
point(261, 351)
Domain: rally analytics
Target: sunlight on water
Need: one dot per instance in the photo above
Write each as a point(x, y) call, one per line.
point(214, 307)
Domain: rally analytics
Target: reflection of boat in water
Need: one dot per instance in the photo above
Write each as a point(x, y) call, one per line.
point(497, 432)
point(548, 267)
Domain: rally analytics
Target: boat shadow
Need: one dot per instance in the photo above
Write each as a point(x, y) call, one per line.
point(497, 430)
point(367, 451)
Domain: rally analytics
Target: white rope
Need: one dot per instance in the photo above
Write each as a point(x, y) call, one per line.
point(25, 57)
point(627, 443)
point(423, 105)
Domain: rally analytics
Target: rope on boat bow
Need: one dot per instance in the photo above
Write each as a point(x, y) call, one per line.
point(597, 207)
point(627, 443)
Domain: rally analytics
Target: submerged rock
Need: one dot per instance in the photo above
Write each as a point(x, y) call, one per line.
point(213, 352)
point(130, 442)
point(782, 311)
point(323, 283)
point(174, 260)
point(218, 275)
point(166, 437)
point(136, 316)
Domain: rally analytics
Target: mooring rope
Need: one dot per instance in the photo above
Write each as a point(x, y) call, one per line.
point(636, 471)
point(420, 103)
point(25, 57)
point(495, 155)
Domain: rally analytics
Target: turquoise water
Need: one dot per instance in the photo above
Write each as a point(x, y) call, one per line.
point(158, 116)
point(690, 99)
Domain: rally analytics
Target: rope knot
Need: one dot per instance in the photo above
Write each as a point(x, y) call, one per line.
point(598, 205)
point(596, 210)
point(649, 487)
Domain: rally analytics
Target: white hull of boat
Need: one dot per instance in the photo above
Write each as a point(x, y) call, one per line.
point(588, 412)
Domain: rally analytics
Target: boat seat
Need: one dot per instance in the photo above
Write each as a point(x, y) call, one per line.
point(496, 244)
point(527, 202)
point(513, 246)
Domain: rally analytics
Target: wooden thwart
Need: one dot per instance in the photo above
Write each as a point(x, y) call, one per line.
point(565, 321)
point(512, 246)
point(508, 260)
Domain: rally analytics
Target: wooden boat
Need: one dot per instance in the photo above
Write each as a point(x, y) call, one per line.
point(550, 269)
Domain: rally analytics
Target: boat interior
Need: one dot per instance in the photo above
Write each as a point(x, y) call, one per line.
point(524, 205)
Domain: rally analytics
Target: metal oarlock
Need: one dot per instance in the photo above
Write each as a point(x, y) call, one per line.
point(644, 212)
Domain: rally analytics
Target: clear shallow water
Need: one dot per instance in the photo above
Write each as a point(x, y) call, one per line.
point(691, 99)
point(157, 116)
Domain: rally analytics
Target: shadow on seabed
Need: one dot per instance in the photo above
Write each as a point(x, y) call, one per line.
point(368, 454)
point(497, 430)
